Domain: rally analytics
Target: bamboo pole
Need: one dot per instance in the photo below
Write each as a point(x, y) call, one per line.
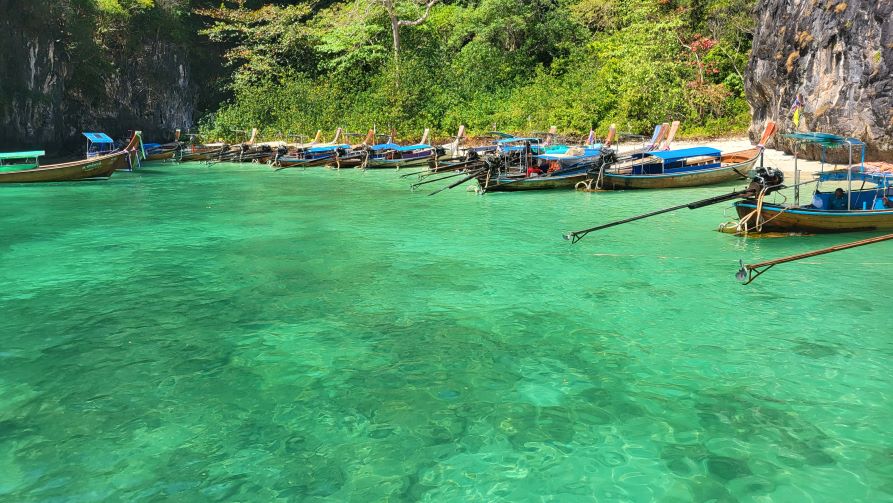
point(750, 272)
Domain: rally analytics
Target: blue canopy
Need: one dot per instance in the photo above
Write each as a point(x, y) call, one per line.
point(327, 148)
point(98, 138)
point(858, 174)
point(684, 153)
point(410, 148)
point(823, 139)
point(384, 146)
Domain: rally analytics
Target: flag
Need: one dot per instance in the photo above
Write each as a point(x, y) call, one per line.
point(796, 109)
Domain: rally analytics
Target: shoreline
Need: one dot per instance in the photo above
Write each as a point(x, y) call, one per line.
point(774, 158)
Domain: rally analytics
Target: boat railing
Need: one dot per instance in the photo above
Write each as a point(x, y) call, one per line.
point(825, 141)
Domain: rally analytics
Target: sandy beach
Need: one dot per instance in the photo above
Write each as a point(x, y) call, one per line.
point(772, 157)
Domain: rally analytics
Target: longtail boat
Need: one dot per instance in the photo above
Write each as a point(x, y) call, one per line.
point(546, 171)
point(249, 151)
point(202, 152)
point(393, 156)
point(572, 156)
point(565, 167)
point(313, 154)
point(689, 167)
point(861, 209)
point(97, 166)
point(356, 154)
point(163, 151)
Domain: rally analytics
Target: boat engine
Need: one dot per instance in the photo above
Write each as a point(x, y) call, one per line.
point(605, 159)
point(765, 178)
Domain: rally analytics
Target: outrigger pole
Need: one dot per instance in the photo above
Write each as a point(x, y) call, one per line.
point(763, 180)
point(460, 182)
point(750, 272)
point(578, 235)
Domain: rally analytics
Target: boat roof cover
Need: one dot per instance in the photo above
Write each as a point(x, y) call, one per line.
point(409, 148)
point(98, 138)
point(21, 155)
point(328, 148)
point(514, 139)
point(823, 139)
point(589, 151)
point(683, 153)
point(383, 146)
point(857, 174)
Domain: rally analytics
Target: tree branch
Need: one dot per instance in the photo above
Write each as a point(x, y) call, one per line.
point(421, 19)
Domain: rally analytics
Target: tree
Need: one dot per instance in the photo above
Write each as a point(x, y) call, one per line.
point(390, 7)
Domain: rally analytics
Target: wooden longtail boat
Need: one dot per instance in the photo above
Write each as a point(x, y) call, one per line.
point(203, 152)
point(574, 156)
point(864, 209)
point(165, 151)
point(314, 156)
point(566, 167)
point(161, 154)
point(92, 168)
point(393, 156)
point(778, 218)
point(689, 167)
point(563, 178)
point(356, 154)
point(250, 151)
point(309, 155)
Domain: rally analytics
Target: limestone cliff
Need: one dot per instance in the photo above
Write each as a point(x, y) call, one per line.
point(57, 78)
point(836, 54)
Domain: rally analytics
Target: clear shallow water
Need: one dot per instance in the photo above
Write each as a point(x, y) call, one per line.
point(237, 334)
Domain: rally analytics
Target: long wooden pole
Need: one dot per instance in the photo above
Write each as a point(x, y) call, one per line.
point(575, 236)
point(749, 272)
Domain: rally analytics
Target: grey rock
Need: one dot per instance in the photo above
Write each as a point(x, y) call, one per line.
point(51, 89)
point(836, 54)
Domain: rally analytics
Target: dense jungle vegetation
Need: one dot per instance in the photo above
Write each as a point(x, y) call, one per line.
point(508, 64)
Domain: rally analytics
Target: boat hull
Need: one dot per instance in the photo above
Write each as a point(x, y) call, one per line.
point(736, 169)
point(285, 162)
point(776, 218)
point(397, 163)
point(161, 157)
point(202, 153)
point(531, 183)
point(86, 169)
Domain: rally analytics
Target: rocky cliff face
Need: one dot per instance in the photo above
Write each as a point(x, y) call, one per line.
point(838, 56)
point(56, 80)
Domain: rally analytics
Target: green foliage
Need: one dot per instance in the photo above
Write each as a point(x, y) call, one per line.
point(123, 7)
point(510, 64)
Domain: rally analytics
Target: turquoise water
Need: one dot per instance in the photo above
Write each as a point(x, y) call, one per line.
point(233, 333)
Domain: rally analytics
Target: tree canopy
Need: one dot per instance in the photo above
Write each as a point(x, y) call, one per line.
point(297, 66)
